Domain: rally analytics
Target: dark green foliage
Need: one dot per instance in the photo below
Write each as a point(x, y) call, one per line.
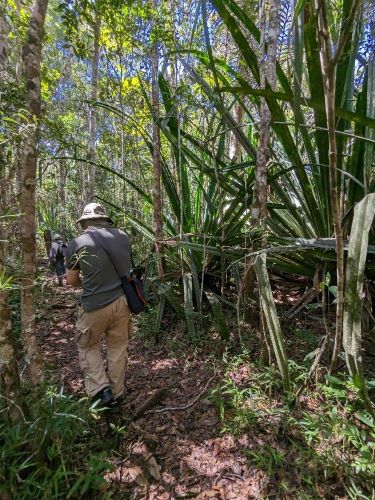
point(55, 452)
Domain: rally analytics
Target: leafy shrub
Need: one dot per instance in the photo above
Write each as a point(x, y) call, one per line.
point(54, 452)
point(325, 443)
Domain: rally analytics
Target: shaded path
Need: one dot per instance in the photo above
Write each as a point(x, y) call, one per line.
point(190, 456)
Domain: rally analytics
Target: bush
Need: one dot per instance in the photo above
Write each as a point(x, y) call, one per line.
point(54, 452)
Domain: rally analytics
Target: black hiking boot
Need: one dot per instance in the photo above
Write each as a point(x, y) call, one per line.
point(105, 397)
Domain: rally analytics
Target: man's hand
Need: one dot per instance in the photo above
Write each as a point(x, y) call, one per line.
point(72, 278)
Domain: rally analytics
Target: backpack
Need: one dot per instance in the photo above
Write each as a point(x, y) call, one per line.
point(61, 251)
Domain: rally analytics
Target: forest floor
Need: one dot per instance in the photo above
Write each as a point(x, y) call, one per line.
point(180, 447)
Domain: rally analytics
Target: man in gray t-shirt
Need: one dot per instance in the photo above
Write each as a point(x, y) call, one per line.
point(96, 259)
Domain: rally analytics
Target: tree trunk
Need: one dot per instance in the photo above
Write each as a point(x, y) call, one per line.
point(156, 191)
point(3, 64)
point(9, 378)
point(61, 192)
point(235, 145)
point(31, 60)
point(47, 236)
point(91, 153)
point(330, 98)
point(328, 62)
point(269, 30)
point(3, 46)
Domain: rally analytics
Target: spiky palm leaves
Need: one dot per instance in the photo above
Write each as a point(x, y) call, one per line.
point(207, 198)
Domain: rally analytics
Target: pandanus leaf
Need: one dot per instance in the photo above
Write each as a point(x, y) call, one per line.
point(364, 213)
point(273, 325)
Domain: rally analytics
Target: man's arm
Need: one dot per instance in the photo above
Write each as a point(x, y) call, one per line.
point(73, 278)
point(72, 263)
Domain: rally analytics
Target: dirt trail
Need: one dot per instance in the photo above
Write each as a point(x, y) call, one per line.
point(165, 453)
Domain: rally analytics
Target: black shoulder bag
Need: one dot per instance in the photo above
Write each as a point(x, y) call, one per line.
point(131, 285)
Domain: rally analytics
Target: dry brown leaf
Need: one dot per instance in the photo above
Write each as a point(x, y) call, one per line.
point(217, 448)
point(141, 454)
point(236, 468)
point(161, 428)
point(135, 474)
point(153, 468)
point(209, 494)
point(185, 384)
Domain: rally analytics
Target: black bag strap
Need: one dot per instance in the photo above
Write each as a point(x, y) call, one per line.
point(132, 287)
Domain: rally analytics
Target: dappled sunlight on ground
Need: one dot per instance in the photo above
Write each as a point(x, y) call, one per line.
point(177, 448)
point(191, 455)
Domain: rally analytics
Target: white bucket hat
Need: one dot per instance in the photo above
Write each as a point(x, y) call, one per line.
point(94, 211)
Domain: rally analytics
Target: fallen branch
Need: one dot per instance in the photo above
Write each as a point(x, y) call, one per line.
point(314, 366)
point(189, 405)
point(151, 401)
point(63, 306)
point(306, 298)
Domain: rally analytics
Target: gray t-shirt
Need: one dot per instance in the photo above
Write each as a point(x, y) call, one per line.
point(100, 281)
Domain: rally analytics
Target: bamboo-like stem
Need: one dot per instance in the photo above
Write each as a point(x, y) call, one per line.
point(3, 46)
point(269, 29)
point(328, 63)
point(345, 32)
point(259, 205)
point(91, 152)
point(156, 151)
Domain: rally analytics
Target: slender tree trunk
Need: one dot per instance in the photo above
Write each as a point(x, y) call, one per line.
point(91, 153)
point(330, 98)
point(31, 60)
point(3, 46)
point(235, 146)
point(9, 378)
point(61, 190)
point(156, 191)
point(7, 166)
point(269, 30)
point(47, 236)
point(3, 65)
point(328, 62)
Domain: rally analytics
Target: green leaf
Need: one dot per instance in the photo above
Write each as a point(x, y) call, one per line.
point(298, 8)
point(364, 213)
point(269, 310)
point(334, 380)
point(333, 290)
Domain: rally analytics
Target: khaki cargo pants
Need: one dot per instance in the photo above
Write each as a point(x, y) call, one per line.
point(115, 324)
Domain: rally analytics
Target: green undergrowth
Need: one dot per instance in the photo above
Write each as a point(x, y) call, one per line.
point(175, 335)
point(58, 450)
point(322, 446)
